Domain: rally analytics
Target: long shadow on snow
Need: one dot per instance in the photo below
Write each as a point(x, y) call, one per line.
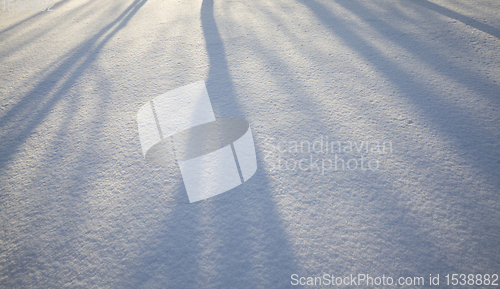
point(40, 30)
point(234, 240)
point(34, 17)
point(38, 103)
point(434, 109)
point(20, 264)
point(462, 18)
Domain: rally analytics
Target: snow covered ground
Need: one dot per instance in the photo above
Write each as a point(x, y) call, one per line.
point(80, 208)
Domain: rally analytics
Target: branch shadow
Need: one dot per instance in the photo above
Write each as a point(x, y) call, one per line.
point(462, 18)
point(432, 107)
point(436, 110)
point(33, 17)
point(33, 108)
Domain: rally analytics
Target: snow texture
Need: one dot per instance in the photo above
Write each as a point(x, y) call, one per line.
point(411, 85)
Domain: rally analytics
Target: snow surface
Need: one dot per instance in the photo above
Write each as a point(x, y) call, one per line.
point(81, 208)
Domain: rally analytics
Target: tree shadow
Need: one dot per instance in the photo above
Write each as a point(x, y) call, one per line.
point(34, 17)
point(59, 212)
point(233, 240)
point(462, 18)
point(436, 109)
point(219, 84)
point(439, 112)
point(37, 104)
